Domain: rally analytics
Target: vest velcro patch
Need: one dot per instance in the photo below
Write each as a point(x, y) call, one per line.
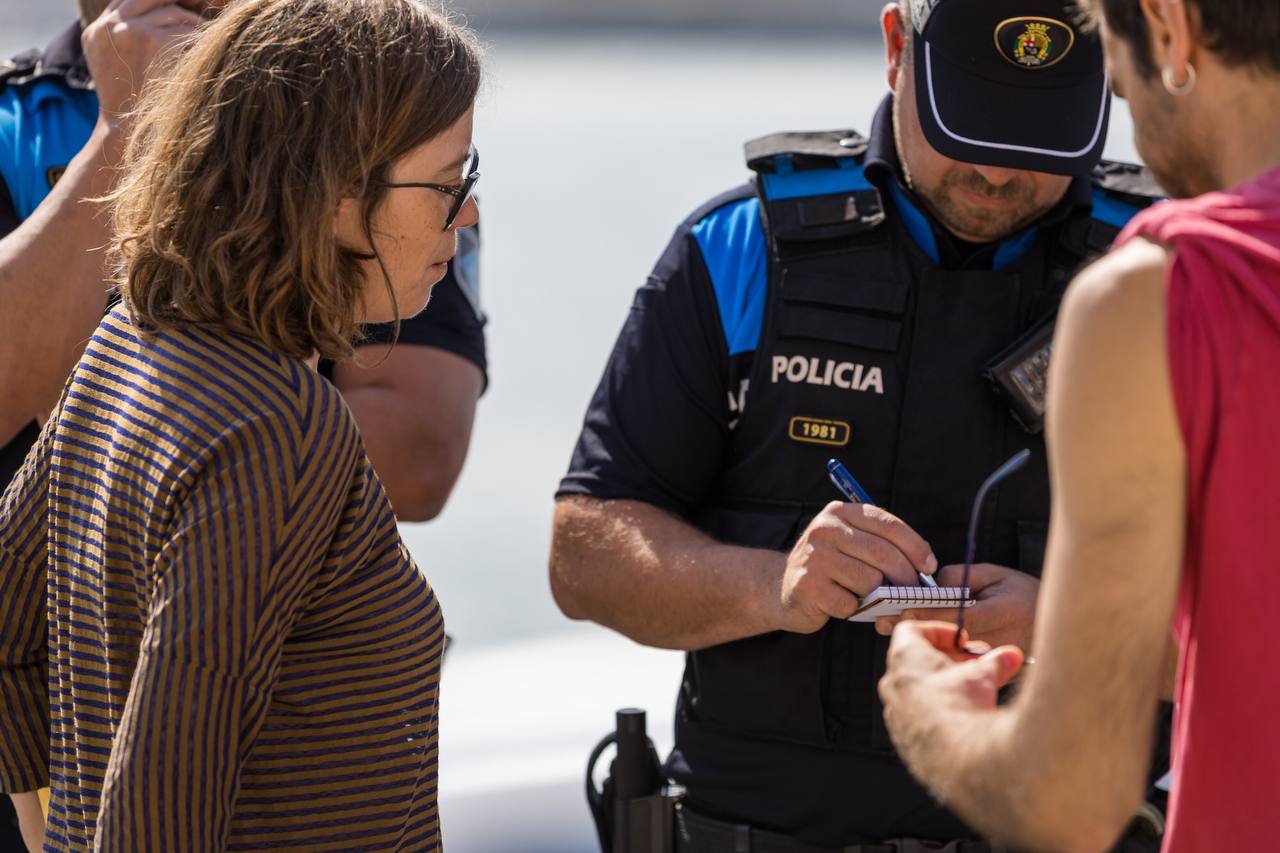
point(819, 431)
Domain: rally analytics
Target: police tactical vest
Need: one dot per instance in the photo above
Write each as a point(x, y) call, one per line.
point(871, 353)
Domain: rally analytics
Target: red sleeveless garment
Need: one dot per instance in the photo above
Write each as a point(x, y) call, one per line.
point(1224, 360)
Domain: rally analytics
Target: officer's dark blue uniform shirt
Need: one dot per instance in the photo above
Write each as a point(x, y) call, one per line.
point(656, 426)
point(48, 110)
point(660, 426)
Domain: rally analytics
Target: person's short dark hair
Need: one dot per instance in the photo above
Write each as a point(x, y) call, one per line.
point(1241, 32)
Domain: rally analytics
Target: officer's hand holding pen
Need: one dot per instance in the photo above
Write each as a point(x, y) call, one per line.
point(847, 550)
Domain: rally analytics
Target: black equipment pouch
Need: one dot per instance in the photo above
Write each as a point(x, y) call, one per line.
point(634, 810)
point(1019, 374)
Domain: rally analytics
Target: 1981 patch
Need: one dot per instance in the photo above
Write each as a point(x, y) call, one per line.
point(819, 431)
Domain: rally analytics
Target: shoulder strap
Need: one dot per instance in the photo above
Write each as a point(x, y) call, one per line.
point(20, 68)
point(812, 186)
point(62, 59)
point(821, 145)
point(1120, 192)
point(1127, 182)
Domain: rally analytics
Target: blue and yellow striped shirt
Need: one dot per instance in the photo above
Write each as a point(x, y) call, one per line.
point(211, 634)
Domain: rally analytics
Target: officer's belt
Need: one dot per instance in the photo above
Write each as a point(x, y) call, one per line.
point(697, 833)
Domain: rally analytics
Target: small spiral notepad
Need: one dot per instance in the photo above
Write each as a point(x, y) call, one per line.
point(892, 600)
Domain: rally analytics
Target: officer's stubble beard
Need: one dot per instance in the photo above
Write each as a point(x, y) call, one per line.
point(976, 225)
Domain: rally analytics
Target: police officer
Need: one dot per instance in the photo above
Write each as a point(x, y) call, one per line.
point(862, 298)
point(63, 123)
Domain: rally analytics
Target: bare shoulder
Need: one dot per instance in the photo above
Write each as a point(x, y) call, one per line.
point(1110, 401)
point(1125, 282)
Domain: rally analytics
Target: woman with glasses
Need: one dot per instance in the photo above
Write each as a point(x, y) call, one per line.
point(211, 634)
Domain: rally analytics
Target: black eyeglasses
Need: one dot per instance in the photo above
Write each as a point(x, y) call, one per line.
point(461, 194)
point(1015, 462)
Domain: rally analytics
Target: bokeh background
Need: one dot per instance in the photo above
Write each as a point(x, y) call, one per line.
point(602, 126)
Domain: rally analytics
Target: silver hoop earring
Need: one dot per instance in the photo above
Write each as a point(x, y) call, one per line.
point(1173, 88)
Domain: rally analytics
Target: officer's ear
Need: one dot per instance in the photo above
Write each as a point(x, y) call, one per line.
point(895, 25)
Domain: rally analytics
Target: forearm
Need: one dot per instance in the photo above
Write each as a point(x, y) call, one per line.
point(965, 756)
point(1009, 777)
point(1059, 768)
point(52, 284)
point(30, 819)
point(415, 406)
point(417, 466)
point(638, 570)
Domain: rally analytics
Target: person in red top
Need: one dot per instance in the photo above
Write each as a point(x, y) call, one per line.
point(1162, 419)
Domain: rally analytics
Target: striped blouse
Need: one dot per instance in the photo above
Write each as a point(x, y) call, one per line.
point(211, 634)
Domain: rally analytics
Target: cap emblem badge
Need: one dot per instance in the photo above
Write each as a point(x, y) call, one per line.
point(1034, 43)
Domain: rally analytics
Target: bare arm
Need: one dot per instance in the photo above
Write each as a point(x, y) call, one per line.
point(51, 266)
point(653, 577)
point(1063, 767)
point(415, 410)
point(30, 819)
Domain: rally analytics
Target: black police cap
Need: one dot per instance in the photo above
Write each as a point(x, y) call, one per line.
point(1010, 83)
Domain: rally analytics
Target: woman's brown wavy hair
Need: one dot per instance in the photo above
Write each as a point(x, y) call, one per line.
point(281, 108)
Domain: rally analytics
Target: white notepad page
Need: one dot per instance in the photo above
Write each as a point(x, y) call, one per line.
point(892, 600)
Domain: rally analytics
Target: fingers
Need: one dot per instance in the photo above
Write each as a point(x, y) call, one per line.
point(886, 624)
point(837, 602)
point(981, 575)
point(121, 45)
point(911, 638)
point(837, 527)
point(137, 8)
point(809, 590)
point(938, 635)
point(912, 555)
point(941, 614)
point(169, 17)
point(998, 666)
point(847, 551)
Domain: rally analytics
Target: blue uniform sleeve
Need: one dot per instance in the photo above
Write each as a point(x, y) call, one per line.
point(43, 125)
point(657, 426)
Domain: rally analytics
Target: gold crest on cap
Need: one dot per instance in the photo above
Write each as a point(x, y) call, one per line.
point(1034, 43)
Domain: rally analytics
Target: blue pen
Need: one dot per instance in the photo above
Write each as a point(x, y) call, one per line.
point(853, 492)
